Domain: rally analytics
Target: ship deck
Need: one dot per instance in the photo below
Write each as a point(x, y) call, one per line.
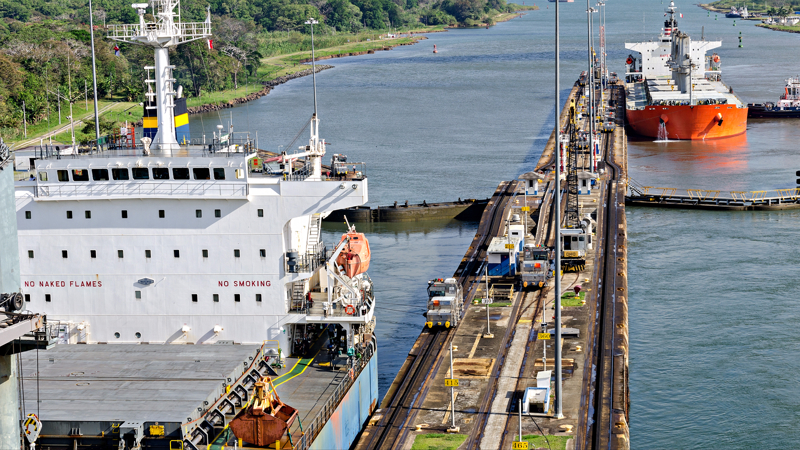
point(157, 383)
point(663, 92)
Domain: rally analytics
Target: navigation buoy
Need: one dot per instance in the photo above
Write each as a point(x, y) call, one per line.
point(434, 49)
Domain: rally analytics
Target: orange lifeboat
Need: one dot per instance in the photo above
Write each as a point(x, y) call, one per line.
point(355, 255)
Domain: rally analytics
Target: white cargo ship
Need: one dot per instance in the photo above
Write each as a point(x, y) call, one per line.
point(204, 245)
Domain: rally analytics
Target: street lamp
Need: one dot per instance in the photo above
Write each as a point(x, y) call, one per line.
point(311, 21)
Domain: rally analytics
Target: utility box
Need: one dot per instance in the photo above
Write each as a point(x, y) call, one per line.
point(503, 260)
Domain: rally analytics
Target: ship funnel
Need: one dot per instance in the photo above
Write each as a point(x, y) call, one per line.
point(680, 62)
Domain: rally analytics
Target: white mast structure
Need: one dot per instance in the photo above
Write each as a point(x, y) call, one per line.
point(166, 31)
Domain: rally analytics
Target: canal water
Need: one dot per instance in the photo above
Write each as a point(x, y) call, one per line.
point(713, 295)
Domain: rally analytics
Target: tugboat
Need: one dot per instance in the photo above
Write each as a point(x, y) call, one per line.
point(787, 107)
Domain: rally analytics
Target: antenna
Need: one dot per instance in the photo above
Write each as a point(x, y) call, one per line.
point(164, 32)
point(311, 21)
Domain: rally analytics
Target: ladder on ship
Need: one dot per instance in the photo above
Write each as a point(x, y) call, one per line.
point(298, 295)
point(314, 226)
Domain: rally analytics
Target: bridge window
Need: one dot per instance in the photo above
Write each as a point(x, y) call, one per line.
point(198, 213)
point(120, 174)
point(124, 214)
point(217, 213)
point(219, 173)
point(63, 175)
point(180, 173)
point(28, 214)
point(161, 213)
point(194, 298)
point(201, 173)
point(100, 174)
point(80, 175)
point(42, 176)
point(88, 214)
point(69, 214)
point(140, 173)
point(160, 173)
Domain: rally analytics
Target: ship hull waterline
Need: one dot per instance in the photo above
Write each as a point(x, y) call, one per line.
point(695, 122)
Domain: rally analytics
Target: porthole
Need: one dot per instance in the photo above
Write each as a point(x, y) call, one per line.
point(116, 335)
point(138, 335)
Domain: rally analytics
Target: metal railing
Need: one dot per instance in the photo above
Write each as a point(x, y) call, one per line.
point(315, 257)
point(143, 188)
point(347, 171)
point(312, 430)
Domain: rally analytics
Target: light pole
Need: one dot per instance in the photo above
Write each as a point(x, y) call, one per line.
point(94, 77)
point(311, 21)
point(557, 218)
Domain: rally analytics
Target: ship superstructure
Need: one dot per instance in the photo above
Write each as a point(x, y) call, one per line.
point(212, 242)
point(675, 91)
point(788, 105)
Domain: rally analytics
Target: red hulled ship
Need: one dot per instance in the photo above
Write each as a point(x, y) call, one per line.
point(675, 91)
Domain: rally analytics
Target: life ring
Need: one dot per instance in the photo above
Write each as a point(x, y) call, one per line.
point(350, 310)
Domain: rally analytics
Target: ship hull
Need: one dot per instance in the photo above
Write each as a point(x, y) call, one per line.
point(760, 112)
point(689, 122)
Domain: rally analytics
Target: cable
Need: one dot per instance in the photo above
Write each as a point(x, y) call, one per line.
point(540, 430)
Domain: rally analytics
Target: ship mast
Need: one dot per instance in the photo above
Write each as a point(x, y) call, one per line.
point(164, 32)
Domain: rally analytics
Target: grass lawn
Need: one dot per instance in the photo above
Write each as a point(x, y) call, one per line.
point(501, 304)
point(569, 298)
point(556, 442)
point(436, 441)
point(207, 98)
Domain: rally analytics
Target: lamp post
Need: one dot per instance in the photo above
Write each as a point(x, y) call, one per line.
point(94, 77)
point(557, 218)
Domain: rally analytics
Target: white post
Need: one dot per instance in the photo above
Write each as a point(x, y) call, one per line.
point(520, 420)
point(557, 219)
point(488, 334)
point(452, 391)
point(165, 137)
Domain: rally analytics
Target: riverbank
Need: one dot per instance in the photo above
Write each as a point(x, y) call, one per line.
point(785, 28)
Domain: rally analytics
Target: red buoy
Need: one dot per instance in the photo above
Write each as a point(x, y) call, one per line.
point(434, 49)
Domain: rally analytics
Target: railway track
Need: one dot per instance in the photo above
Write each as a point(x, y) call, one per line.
point(398, 409)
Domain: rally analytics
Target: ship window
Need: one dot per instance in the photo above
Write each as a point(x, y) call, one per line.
point(64, 253)
point(219, 173)
point(124, 214)
point(176, 253)
point(138, 295)
point(161, 213)
point(180, 173)
point(194, 298)
point(160, 173)
point(198, 213)
point(236, 253)
point(237, 297)
point(27, 297)
point(263, 253)
point(30, 254)
point(116, 334)
point(88, 214)
point(141, 173)
point(120, 174)
point(147, 254)
point(69, 214)
point(100, 174)
point(217, 213)
point(80, 175)
point(120, 254)
point(205, 253)
point(201, 173)
point(239, 173)
point(216, 298)
point(93, 253)
point(28, 214)
point(63, 175)
point(260, 213)
point(47, 297)
point(258, 298)
point(42, 176)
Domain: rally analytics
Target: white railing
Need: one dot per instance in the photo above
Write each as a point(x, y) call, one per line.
point(142, 189)
point(183, 31)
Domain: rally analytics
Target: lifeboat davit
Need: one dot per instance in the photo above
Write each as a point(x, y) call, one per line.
point(355, 255)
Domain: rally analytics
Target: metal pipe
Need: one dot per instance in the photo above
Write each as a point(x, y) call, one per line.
point(557, 218)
